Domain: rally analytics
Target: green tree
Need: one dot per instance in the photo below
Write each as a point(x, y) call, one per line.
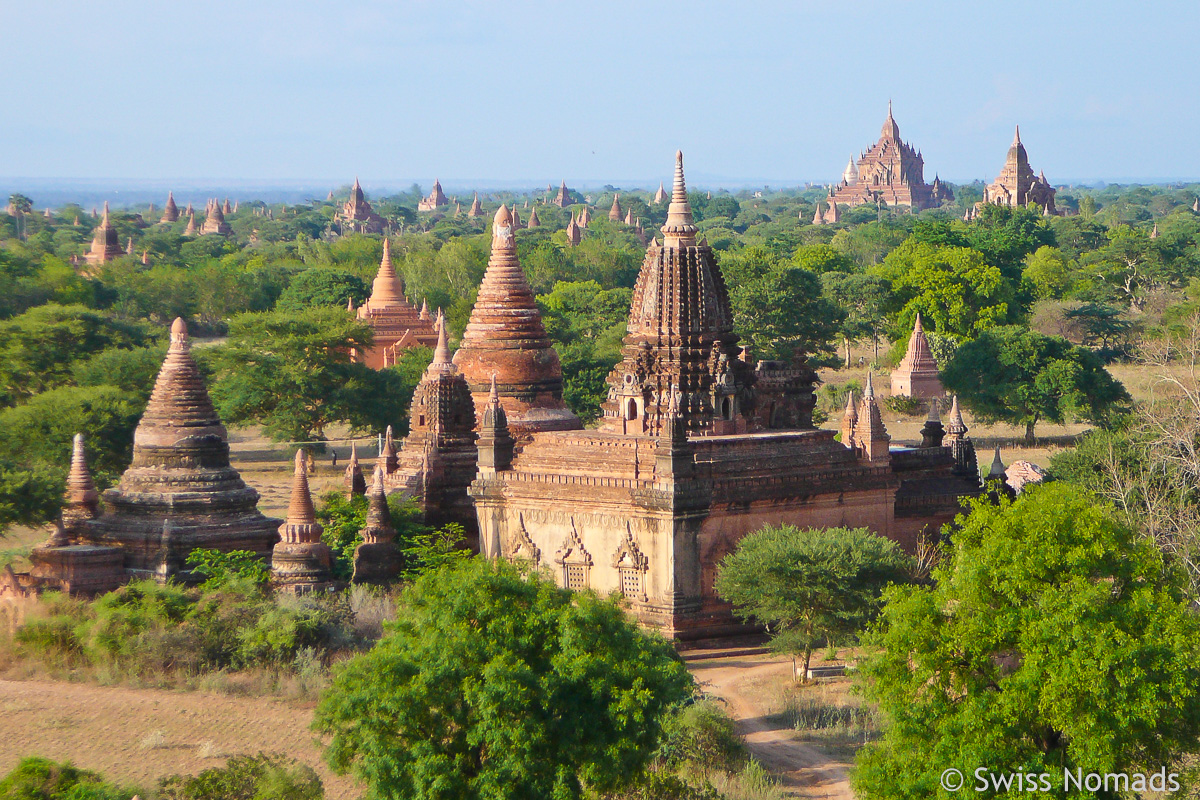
point(1018, 376)
point(28, 496)
point(494, 683)
point(43, 779)
point(292, 373)
point(778, 308)
point(323, 286)
point(956, 292)
point(811, 585)
point(39, 348)
point(1051, 638)
point(1047, 273)
point(864, 298)
point(586, 324)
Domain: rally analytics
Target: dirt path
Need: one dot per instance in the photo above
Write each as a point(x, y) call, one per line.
point(136, 736)
point(803, 770)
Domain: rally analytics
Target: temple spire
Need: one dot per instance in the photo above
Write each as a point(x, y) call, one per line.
point(300, 505)
point(1017, 137)
point(441, 355)
point(81, 500)
point(680, 229)
point(355, 482)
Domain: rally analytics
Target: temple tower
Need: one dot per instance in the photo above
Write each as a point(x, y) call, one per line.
point(891, 171)
point(966, 464)
point(476, 208)
point(180, 477)
point(614, 213)
point(397, 324)
point(214, 221)
point(574, 234)
point(505, 336)
point(436, 463)
point(660, 196)
point(301, 562)
point(81, 502)
point(106, 244)
point(933, 432)
point(534, 222)
point(849, 421)
point(377, 560)
point(1017, 185)
point(355, 482)
point(357, 214)
point(680, 337)
point(562, 199)
point(917, 374)
point(170, 210)
point(871, 439)
point(435, 200)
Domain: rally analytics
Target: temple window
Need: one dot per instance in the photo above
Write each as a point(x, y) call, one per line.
point(727, 408)
point(631, 582)
point(575, 576)
point(631, 409)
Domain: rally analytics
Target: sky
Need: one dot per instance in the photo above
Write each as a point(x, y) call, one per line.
point(598, 92)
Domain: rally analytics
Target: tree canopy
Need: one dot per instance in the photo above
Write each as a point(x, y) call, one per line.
point(1051, 638)
point(1022, 377)
point(492, 683)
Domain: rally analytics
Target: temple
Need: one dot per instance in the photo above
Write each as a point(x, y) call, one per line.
point(890, 172)
point(476, 208)
point(830, 215)
point(505, 339)
point(435, 200)
point(436, 461)
point(614, 213)
point(214, 220)
point(917, 374)
point(106, 244)
point(170, 210)
point(697, 448)
point(397, 324)
point(563, 198)
point(1017, 185)
point(357, 214)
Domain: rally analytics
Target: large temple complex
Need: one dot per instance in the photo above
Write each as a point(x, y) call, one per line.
point(698, 445)
point(1017, 185)
point(891, 172)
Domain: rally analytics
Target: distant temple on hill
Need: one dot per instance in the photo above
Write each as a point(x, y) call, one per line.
point(397, 324)
point(357, 214)
point(435, 200)
point(1017, 185)
point(891, 172)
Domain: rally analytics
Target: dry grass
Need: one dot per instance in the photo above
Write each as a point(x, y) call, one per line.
point(137, 736)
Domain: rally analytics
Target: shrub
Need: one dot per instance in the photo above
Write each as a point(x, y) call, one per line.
point(42, 779)
point(219, 568)
point(261, 777)
point(908, 406)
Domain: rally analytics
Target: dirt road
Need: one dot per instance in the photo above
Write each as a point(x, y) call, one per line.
point(136, 736)
point(803, 770)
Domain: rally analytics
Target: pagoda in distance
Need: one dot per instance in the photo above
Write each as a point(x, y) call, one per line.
point(891, 172)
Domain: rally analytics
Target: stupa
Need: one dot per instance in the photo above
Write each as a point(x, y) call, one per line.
point(214, 220)
point(917, 374)
point(505, 337)
point(1017, 185)
point(106, 243)
point(614, 213)
point(573, 232)
point(890, 172)
point(476, 208)
point(301, 562)
point(435, 200)
point(170, 210)
point(697, 448)
point(533, 222)
point(377, 560)
point(355, 482)
point(357, 214)
point(660, 196)
point(436, 462)
point(190, 230)
point(180, 493)
point(396, 322)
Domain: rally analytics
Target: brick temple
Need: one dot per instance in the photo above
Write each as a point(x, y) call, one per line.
point(398, 325)
point(1017, 185)
point(891, 172)
point(357, 214)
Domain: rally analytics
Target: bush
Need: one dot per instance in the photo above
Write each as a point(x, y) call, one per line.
point(219, 568)
point(908, 406)
point(701, 735)
point(260, 777)
point(42, 779)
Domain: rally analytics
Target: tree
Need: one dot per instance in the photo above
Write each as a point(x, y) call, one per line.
point(1051, 639)
point(864, 298)
point(323, 286)
point(494, 683)
point(292, 373)
point(811, 585)
point(1018, 376)
point(586, 324)
point(39, 347)
point(778, 308)
point(43, 779)
point(1047, 273)
point(956, 292)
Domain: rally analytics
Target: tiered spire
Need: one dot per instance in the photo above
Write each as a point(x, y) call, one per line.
point(170, 210)
point(849, 420)
point(476, 208)
point(81, 501)
point(106, 244)
point(870, 436)
point(660, 196)
point(562, 199)
point(496, 445)
point(388, 288)
point(917, 374)
point(505, 335)
point(960, 444)
point(376, 560)
point(181, 474)
point(534, 222)
point(301, 562)
point(680, 335)
point(574, 235)
point(355, 482)
point(396, 323)
point(190, 230)
point(933, 431)
point(388, 455)
point(614, 213)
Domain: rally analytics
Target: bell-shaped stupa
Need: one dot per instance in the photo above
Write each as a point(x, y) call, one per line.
point(505, 337)
point(301, 562)
point(180, 477)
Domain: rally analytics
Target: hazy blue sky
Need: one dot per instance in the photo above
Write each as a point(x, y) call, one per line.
point(598, 91)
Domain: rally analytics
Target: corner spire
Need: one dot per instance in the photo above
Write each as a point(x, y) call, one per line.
point(1017, 137)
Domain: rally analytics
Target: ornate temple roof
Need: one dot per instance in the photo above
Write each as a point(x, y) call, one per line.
point(918, 357)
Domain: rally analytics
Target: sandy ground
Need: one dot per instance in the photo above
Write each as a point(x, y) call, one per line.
point(804, 770)
point(116, 731)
